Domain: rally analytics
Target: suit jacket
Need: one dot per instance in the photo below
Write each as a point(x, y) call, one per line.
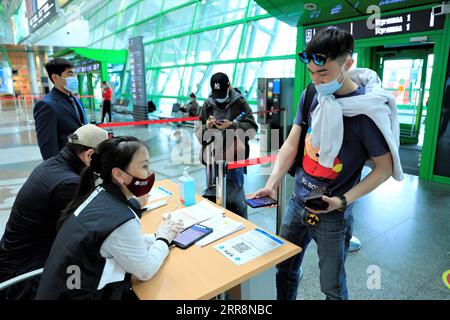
point(55, 119)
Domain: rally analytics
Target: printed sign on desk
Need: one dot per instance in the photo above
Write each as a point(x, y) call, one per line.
point(248, 246)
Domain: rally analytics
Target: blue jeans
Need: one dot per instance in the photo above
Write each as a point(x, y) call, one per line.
point(332, 236)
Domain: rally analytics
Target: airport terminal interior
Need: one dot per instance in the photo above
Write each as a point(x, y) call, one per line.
point(164, 50)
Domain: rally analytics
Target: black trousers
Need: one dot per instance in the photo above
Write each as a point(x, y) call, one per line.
point(106, 109)
point(25, 290)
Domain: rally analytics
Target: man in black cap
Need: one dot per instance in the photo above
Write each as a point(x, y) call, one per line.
point(226, 111)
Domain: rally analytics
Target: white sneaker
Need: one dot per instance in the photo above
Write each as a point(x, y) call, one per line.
point(355, 244)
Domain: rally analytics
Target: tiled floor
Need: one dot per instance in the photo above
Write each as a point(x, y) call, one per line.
point(404, 227)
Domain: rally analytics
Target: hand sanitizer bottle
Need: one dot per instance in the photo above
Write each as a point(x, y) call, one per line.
point(187, 188)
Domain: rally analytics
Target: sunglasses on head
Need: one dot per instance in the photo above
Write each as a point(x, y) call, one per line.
point(318, 58)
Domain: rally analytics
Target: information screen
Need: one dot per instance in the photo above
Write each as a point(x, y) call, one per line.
point(408, 22)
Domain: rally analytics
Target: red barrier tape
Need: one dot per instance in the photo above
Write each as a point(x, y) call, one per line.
point(251, 162)
point(138, 123)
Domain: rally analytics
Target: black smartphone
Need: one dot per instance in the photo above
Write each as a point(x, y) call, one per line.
point(317, 204)
point(191, 235)
point(314, 200)
point(261, 202)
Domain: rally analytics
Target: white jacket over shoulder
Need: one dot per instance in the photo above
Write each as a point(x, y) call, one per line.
point(378, 104)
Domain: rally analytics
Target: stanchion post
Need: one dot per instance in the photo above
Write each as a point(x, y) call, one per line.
point(281, 191)
point(221, 183)
point(18, 105)
point(92, 104)
point(285, 133)
point(208, 169)
point(25, 107)
point(280, 207)
point(27, 116)
point(210, 172)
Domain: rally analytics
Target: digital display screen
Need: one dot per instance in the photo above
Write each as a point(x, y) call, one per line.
point(276, 86)
point(189, 235)
point(403, 23)
point(39, 12)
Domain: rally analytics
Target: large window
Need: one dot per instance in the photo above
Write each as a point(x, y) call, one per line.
point(219, 12)
point(170, 52)
point(217, 44)
point(177, 22)
point(187, 41)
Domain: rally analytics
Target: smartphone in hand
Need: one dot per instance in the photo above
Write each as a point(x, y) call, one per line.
point(261, 202)
point(314, 200)
point(219, 122)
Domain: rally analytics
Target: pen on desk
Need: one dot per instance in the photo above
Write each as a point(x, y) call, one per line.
point(165, 190)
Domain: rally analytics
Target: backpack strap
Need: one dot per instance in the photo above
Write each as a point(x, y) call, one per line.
point(309, 97)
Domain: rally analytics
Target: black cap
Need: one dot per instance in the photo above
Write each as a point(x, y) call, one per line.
point(219, 85)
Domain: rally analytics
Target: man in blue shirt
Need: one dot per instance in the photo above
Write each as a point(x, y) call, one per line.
point(328, 57)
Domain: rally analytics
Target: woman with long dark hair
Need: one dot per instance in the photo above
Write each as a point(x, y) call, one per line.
point(99, 244)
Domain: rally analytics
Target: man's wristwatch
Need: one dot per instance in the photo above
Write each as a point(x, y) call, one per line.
point(344, 203)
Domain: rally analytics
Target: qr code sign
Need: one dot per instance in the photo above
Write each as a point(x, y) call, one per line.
point(241, 247)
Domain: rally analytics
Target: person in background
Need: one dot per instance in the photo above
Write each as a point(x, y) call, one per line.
point(227, 111)
point(192, 107)
point(31, 227)
point(100, 232)
point(107, 97)
point(59, 113)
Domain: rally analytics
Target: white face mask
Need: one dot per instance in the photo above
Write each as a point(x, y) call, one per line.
point(71, 84)
point(330, 87)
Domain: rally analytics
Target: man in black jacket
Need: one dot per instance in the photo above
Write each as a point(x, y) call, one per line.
point(59, 113)
point(227, 114)
point(31, 228)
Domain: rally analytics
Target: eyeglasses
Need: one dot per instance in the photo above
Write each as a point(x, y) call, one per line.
point(317, 58)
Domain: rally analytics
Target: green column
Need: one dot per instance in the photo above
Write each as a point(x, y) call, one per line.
point(90, 91)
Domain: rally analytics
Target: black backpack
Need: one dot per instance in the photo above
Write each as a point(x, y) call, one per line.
point(309, 96)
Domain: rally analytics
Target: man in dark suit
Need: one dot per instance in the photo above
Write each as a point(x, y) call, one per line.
point(59, 113)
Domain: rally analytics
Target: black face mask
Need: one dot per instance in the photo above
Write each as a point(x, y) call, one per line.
point(224, 100)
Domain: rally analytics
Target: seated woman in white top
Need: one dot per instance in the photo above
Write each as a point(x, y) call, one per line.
point(100, 244)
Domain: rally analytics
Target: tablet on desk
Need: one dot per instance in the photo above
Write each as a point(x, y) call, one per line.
point(191, 235)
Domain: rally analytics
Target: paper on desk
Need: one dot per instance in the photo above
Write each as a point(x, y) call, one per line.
point(248, 246)
point(158, 193)
point(196, 213)
point(222, 227)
